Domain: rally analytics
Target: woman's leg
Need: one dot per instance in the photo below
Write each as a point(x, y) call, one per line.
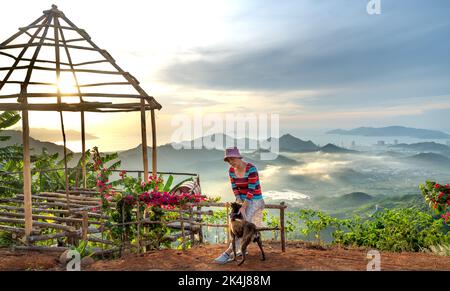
point(255, 212)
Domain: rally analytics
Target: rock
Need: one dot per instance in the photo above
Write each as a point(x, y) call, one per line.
point(87, 261)
point(63, 258)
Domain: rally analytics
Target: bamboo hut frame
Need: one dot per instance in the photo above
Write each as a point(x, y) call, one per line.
point(40, 38)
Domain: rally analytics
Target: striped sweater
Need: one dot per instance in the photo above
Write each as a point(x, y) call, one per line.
point(247, 187)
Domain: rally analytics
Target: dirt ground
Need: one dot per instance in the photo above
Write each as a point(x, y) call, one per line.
point(298, 257)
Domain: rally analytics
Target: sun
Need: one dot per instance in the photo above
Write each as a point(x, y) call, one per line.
point(66, 85)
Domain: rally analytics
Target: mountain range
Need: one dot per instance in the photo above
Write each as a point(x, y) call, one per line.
point(393, 131)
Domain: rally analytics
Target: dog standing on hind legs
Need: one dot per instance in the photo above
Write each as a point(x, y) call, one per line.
point(244, 230)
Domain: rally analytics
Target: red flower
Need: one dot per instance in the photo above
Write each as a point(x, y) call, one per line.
point(446, 216)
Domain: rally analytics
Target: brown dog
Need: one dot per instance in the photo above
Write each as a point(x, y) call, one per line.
point(245, 230)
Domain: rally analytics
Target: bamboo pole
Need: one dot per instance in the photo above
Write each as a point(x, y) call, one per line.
point(138, 235)
point(58, 76)
point(144, 140)
point(282, 228)
point(21, 31)
point(40, 248)
point(26, 130)
point(50, 204)
point(154, 148)
point(46, 217)
point(84, 226)
point(25, 48)
point(50, 211)
point(228, 222)
point(199, 218)
point(38, 224)
point(72, 197)
point(183, 244)
point(83, 134)
point(191, 219)
point(26, 133)
point(56, 199)
point(26, 173)
point(83, 148)
point(87, 94)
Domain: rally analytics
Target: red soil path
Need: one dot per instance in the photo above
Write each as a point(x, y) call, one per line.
point(298, 256)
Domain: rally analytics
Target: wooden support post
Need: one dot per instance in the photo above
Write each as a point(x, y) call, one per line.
point(228, 223)
point(83, 149)
point(58, 90)
point(84, 226)
point(83, 133)
point(183, 244)
point(26, 171)
point(144, 140)
point(154, 149)
point(26, 128)
point(200, 230)
point(282, 228)
point(138, 235)
point(146, 229)
point(191, 219)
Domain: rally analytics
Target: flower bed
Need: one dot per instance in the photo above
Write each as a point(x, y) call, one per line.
point(437, 196)
point(137, 197)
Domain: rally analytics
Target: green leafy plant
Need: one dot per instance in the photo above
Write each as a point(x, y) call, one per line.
point(316, 222)
point(273, 221)
point(83, 249)
point(6, 239)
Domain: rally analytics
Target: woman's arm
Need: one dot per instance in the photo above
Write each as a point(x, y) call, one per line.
point(253, 181)
point(233, 184)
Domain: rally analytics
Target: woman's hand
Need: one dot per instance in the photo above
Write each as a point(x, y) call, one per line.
point(243, 209)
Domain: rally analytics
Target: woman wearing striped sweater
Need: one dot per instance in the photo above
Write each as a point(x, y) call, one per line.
point(247, 190)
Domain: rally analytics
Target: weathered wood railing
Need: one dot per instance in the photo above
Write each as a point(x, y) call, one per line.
point(84, 220)
point(79, 216)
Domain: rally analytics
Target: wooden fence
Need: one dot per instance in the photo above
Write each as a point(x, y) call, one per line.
point(80, 218)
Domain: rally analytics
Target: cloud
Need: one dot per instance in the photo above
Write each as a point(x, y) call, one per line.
point(353, 58)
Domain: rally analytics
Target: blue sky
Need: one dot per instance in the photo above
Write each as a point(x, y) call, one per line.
point(319, 64)
point(347, 60)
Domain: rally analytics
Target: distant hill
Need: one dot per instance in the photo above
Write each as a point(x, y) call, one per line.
point(333, 149)
point(360, 203)
point(350, 200)
point(357, 197)
point(208, 163)
point(35, 144)
point(424, 147)
point(393, 131)
point(290, 143)
point(221, 141)
point(430, 159)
